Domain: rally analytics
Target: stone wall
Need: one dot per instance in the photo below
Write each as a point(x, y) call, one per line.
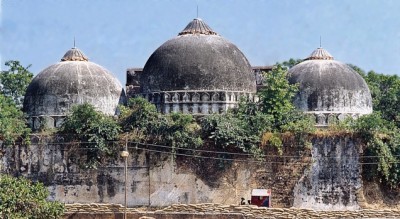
point(158, 179)
point(154, 179)
point(334, 177)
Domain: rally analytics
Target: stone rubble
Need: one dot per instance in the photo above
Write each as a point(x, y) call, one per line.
point(248, 211)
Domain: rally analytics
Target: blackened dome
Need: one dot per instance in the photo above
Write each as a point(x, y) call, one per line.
point(197, 59)
point(326, 85)
point(72, 81)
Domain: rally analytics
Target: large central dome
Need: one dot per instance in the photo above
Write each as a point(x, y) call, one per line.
point(198, 59)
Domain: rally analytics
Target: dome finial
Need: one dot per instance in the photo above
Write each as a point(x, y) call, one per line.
point(320, 54)
point(74, 42)
point(74, 54)
point(197, 15)
point(197, 26)
point(320, 41)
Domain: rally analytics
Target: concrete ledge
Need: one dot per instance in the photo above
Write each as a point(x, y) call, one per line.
point(215, 211)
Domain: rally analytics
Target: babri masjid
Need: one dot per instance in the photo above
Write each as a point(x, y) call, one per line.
point(197, 72)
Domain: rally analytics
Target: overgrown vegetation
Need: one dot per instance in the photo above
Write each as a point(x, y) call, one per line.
point(380, 130)
point(256, 123)
point(238, 129)
point(12, 122)
point(383, 145)
point(13, 83)
point(20, 198)
point(93, 130)
point(146, 125)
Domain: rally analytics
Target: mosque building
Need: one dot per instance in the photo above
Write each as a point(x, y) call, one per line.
point(74, 80)
point(197, 72)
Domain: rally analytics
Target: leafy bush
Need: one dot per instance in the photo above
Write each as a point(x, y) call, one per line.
point(20, 198)
point(140, 115)
point(182, 131)
point(241, 128)
point(94, 130)
point(228, 130)
point(382, 147)
point(146, 125)
point(12, 122)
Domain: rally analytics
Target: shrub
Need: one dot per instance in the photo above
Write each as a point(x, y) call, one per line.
point(20, 198)
point(93, 130)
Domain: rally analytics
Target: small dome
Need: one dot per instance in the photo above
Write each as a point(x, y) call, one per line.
point(197, 59)
point(72, 81)
point(326, 85)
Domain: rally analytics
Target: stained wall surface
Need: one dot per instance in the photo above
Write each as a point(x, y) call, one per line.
point(329, 178)
point(332, 181)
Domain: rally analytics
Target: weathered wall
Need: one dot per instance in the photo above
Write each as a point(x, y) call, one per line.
point(157, 179)
point(334, 177)
point(153, 178)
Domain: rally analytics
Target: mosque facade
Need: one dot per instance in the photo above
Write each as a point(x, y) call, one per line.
point(197, 72)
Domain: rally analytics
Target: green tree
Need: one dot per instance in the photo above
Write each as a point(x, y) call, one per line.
point(15, 80)
point(385, 91)
point(291, 62)
point(94, 130)
point(22, 199)
point(276, 98)
point(12, 122)
point(358, 70)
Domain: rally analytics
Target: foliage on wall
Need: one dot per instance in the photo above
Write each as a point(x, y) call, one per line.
point(94, 131)
point(380, 130)
point(12, 122)
point(21, 198)
point(144, 124)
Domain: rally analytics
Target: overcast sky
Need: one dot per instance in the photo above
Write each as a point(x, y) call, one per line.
point(119, 34)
